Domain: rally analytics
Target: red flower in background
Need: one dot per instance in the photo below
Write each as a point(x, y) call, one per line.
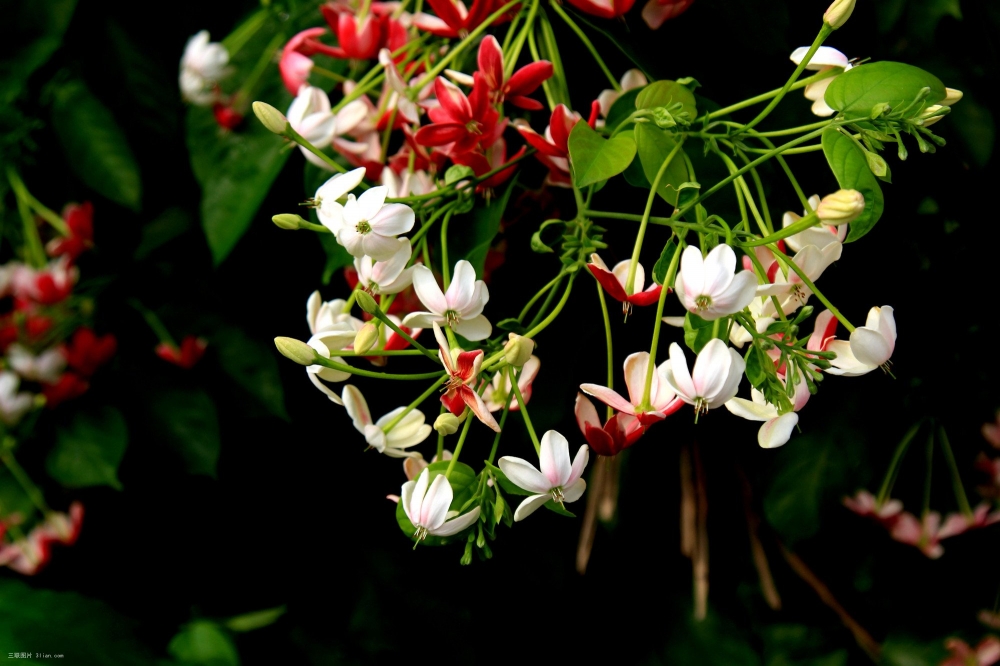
point(482, 162)
point(47, 286)
point(553, 147)
point(521, 83)
point(226, 116)
point(86, 352)
point(79, 219)
point(69, 385)
point(607, 9)
point(453, 19)
point(358, 40)
point(461, 123)
point(620, 432)
point(190, 352)
point(296, 63)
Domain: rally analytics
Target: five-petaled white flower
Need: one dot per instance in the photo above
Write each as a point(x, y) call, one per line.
point(870, 346)
point(714, 380)
point(558, 480)
point(460, 307)
point(427, 507)
point(368, 226)
point(386, 277)
point(792, 293)
point(202, 66)
point(409, 431)
point(328, 209)
point(332, 329)
point(710, 287)
point(46, 367)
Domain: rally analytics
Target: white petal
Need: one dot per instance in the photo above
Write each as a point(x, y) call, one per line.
point(554, 459)
point(751, 411)
point(825, 56)
point(530, 505)
point(580, 461)
point(719, 267)
point(678, 376)
point(635, 376)
point(428, 291)
point(777, 431)
point(393, 220)
point(356, 407)
point(457, 524)
point(711, 369)
point(524, 475)
point(434, 509)
point(370, 202)
point(340, 185)
point(574, 491)
point(477, 328)
point(869, 347)
point(376, 246)
point(462, 288)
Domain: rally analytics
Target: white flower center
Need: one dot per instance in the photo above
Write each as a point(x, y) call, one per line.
point(557, 495)
point(363, 227)
point(420, 534)
point(703, 302)
point(451, 317)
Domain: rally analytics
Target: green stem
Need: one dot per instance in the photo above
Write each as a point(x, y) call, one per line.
point(535, 330)
point(558, 79)
point(524, 412)
point(651, 367)
point(549, 285)
point(812, 287)
point(956, 477)
point(511, 57)
point(660, 221)
point(773, 93)
point(794, 130)
point(610, 347)
point(406, 336)
point(263, 63)
point(897, 458)
point(48, 215)
point(445, 266)
point(238, 38)
point(153, 322)
point(588, 44)
point(629, 281)
point(327, 363)
point(929, 461)
point(816, 147)
point(807, 222)
point(30, 489)
point(503, 420)
point(347, 353)
point(299, 139)
point(35, 253)
point(424, 228)
point(461, 442)
point(820, 38)
point(413, 405)
point(330, 74)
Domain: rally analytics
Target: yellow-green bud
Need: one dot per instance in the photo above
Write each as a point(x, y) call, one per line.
point(366, 302)
point(296, 350)
point(287, 221)
point(518, 349)
point(365, 338)
point(952, 96)
point(837, 13)
point(447, 423)
point(841, 207)
point(931, 115)
point(274, 120)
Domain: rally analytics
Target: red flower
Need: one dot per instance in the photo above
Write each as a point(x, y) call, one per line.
point(607, 9)
point(26, 328)
point(553, 147)
point(523, 82)
point(30, 556)
point(463, 370)
point(620, 432)
point(190, 352)
point(86, 352)
point(482, 163)
point(226, 117)
point(80, 220)
point(614, 283)
point(453, 19)
point(461, 123)
point(357, 40)
point(47, 286)
point(69, 385)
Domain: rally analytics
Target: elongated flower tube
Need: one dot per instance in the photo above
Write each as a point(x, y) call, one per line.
point(613, 282)
point(463, 368)
point(410, 431)
point(663, 400)
point(460, 308)
point(710, 287)
point(713, 381)
point(558, 480)
point(426, 504)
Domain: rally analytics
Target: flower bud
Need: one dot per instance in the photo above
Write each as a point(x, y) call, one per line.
point(274, 120)
point(447, 424)
point(952, 96)
point(296, 350)
point(837, 13)
point(932, 114)
point(366, 302)
point(366, 338)
point(287, 221)
point(518, 349)
point(841, 207)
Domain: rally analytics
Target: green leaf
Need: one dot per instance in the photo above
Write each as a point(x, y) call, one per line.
point(478, 229)
point(755, 366)
point(594, 158)
point(13, 499)
point(902, 650)
point(698, 332)
point(665, 93)
point(87, 632)
point(687, 192)
point(653, 145)
point(251, 364)
point(512, 325)
point(857, 91)
point(552, 506)
point(87, 452)
point(204, 643)
point(457, 173)
point(95, 145)
point(255, 620)
point(621, 109)
point(850, 166)
point(31, 33)
point(170, 224)
point(662, 264)
point(185, 421)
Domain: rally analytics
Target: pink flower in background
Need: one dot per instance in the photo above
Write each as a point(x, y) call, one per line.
point(923, 534)
point(427, 506)
point(606, 9)
point(986, 653)
point(186, 356)
point(657, 12)
point(553, 146)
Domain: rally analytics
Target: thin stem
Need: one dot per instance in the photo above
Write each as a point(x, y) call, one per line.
point(512, 56)
point(406, 336)
point(929, 462)
point(812, 287)
point(795, 130)
point(387, 428)
point(48, 215)
point(523, 408)
point(607, 336)
point(33, 242)
point(588, 44)
point(445, 266)
point(897, 458)
point(956, 477)
point(773, 93)
point(30, 489)
point(630, 280)
point(461, 443)
point(807, 222)
point(503, 420)
point(238, 38)
point(664, 290)
point(816, 147)
point(327, 363)
point(153, 322)
point(299, 139)
point(330, 74)
point(348, 353)
point(547, 84)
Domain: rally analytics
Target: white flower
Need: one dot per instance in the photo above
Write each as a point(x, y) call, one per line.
point(410, 431)
point(332, 329)
point(412, 183)
point(714, 380)
point(427, 508)
point(460, 308)
point(871, 345)
point(398, 99)
point(46, 367)
point(386, 277)
point(792, 293)
point(825, 58)
point(203, 65)
point(820, 235)
point(329, 211)
point(710, 287)
point(777, 429)
point(558, 480)
point(13, 405)
point(310, 116)
point(368, 226)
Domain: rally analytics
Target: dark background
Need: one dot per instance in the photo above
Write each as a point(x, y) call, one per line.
point(296, 514)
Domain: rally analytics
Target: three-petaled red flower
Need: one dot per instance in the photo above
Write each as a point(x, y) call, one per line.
point(463, 369)
point(523, 82)
point(460, 123)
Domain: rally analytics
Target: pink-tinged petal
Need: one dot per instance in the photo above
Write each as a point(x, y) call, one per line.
point(370, 202)
point(777, 431)
point(586, 413)
point(452, 14)
point(648, 297)
point(428, 291)
point(536, 140)
point(657, 12)
point(491, 62)
point(433, 25)
point(435, 505)
point(554, 458)
point(954, 524)
point(527, 79)
point(740, 292)
point(580, 461)
point(444, 348)
point(609, 282)
point(678, 376)
point(357, 407)
point(474, 329)
point(406, 497)
point(825, 327)
point(621, 274)
point(419, 320)
point(751, 411)
point(574, 491)
point(376, 246)
point(524, 475)
point(692, 271)
point(478, 407)
point(295, 69)
point(561, 124)
point(525, 103)
point(719, 267)
point(608, 397)
point(462, 288)
point(392, 219)
point(869, 347)
point(825, 56)
point(468, 363)
point(530, 505)
point(457, 524)
point(711, 369)
point(635, 376)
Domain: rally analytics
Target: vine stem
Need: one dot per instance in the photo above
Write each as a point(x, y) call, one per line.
point(812, 287)
point(610, 347)
point(588, 44)
point(461, 443)
point(387, 428)
point(523, 408)
point(664, 290)
point(897, 458)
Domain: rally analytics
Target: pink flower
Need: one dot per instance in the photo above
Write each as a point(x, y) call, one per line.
point(553, 147)
point(656, 12)
point(606, 9)
point(296, 63)
point(865, 504)
point(957, 523)
point(358, 40)
point(986, 653)
point(463, 368)
point(496, 393)
point(453, 19)
point(557, 479)
point(663, 400)
point(924, 534)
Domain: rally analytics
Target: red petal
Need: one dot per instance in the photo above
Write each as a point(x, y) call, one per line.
point(465, 365)
point(440, 134)
point(447, 12)
point(647, 297)
point(600, 441)
point(538, 142)
point(595, 111)
point(609, 282)
point(527, 79)
point(560, 124)
point(453, 100)
point(453, 402)
point(525, 103)
point(491, 62)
